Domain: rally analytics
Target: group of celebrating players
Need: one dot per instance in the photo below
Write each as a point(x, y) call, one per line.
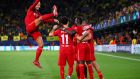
point(76, 42)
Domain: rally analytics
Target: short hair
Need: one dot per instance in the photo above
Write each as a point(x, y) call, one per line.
point(64, 20)
point(78, 20)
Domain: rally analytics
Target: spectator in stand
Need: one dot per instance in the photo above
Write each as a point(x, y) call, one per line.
point(134, 41)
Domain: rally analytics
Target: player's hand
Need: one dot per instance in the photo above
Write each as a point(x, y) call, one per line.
point(78, 38)
point(55, 27)
point(55, 20)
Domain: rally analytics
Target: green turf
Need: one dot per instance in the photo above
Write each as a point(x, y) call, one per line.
point(18, 65)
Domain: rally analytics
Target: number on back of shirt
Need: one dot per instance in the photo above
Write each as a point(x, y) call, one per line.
point(64, 39)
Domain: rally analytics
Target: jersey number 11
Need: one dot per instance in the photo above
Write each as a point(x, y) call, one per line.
point(64, 39)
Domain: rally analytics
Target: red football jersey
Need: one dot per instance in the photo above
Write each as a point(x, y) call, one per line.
point(74, 27)
point(87, 26)
point(79, 30)
point(64, 37)
point(32, 14)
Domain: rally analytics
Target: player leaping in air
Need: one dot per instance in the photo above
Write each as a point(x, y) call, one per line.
point(32, 20)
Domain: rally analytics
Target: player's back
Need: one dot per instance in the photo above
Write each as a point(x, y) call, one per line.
point(65, 38)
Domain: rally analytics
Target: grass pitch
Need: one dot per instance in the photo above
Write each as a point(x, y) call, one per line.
point(18, 65)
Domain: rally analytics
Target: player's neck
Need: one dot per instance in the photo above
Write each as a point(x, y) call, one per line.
point(65, 26)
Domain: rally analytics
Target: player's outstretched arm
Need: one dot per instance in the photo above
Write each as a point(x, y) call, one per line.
point(32, 7)
point(53, 30)
point(72, 32)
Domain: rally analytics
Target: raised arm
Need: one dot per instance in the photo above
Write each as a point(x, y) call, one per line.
point(32, 7)
point(72, 32)
point(53, 30)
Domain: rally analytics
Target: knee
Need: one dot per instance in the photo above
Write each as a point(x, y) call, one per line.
point(70, 66)
point(94, 62)
point(88, 62)
point(41, 45)
point(62, 68)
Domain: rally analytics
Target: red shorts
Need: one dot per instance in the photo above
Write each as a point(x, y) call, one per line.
point(83, 52)
point(32, 30)
point(66, 54)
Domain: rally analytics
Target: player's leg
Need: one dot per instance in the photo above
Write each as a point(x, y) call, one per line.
point(88, 60)
point(77, 66)
point(34, 24)
point(40, 43)
point(31, 28)
point(81, 69)
point(70, 71)
point(90, 69)
point(62, 62)
point(48, 16)
point(37, 21)
point(77, 71)
point(81, 59)
point(70, 59)
point(96, 66)
point(85, 71)
point(62, 72)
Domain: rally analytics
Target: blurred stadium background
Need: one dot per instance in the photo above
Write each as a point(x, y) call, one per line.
point(117, 38)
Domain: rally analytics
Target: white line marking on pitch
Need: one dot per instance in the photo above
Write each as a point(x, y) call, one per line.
point(119, 57)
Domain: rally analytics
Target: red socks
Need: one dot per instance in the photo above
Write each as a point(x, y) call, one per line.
point(47, 16)
point(81, 70)
point(38, 53)
point(90, 71)
point(62, 72)
point(70, 70)
point(100, 75)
